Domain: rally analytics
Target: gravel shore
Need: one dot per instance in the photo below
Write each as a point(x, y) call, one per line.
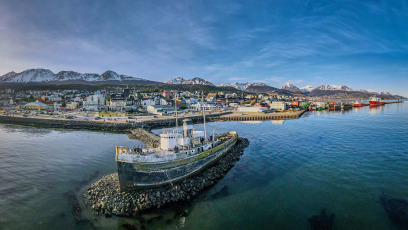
point(105, 197)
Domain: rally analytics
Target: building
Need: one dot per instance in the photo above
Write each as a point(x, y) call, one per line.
point(279, 105)
point(167, 94)
point(94, 102)
point(251, 109)
point(53, 98)
point(35, 105)
point(160, 109)
point(150, 101)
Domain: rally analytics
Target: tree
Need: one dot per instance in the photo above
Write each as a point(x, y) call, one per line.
point(31, 98)
point(64, 104)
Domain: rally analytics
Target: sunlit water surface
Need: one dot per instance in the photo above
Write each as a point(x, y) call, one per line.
point(341, 161)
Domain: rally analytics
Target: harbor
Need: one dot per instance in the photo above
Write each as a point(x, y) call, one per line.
point(156, 115)
point(298, 165)
point(116, 126)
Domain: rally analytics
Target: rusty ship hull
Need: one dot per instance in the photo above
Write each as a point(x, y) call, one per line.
point(152, 174)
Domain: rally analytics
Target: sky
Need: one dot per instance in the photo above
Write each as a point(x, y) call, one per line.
point(361, 44)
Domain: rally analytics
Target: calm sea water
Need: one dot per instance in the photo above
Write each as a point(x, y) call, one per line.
point(341, 161)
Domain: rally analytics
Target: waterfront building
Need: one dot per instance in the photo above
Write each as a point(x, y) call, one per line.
point(160, 109)
point(251, 109)
point(279, 105)
point(35, 105)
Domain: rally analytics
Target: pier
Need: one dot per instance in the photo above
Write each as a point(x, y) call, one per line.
point(239, 116)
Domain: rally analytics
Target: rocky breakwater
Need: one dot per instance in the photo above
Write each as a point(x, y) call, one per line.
point(105, 197)
point(145, 136)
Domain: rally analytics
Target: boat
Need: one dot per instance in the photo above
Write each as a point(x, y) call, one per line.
point(181, 154)
point(376, 101)
point(358, 104)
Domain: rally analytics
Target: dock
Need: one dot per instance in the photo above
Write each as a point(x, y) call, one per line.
point(239, 116)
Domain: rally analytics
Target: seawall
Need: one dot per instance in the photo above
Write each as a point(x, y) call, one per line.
point(100, 125)
point(150, 124)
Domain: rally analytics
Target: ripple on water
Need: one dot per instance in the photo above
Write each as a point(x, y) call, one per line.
point(290, 172)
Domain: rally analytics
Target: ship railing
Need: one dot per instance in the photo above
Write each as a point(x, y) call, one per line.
point(136, 149)
point(171, 131)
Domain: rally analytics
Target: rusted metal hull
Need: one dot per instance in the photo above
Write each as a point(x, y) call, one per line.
point(142, 175)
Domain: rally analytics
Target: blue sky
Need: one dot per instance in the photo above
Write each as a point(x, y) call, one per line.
point(362, 44)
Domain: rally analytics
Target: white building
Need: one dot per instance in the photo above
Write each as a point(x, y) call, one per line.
point(53, 98)
point(160, 109)
point(94, 102)
point(150, 101)
point(207, 105)
point(279, 105)
point(251, 109)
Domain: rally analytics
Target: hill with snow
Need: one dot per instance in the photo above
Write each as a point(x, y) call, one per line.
point(47, 76)
point(333, 88)
point(291, 88)
point(307, 89)
point(194, 81)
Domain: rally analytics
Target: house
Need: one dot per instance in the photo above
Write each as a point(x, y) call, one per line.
point(121, 101)
point(167, 94)
point(71, 105)
point(165, 101)
point(150, 101)
point(207, 105)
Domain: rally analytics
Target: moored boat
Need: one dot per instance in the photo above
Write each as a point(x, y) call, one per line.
point(376, 101)
point(358, 104)
point(181, 154)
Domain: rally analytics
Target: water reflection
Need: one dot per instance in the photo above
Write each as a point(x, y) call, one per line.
point(375, 109)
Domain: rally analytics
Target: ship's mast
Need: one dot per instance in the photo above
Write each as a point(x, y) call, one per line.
point(205, 128)
point(175, 108)
point(213, 135)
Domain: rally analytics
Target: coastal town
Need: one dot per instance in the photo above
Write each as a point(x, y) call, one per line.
point(132, 105)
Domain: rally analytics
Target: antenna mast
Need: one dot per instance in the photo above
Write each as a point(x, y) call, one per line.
point(175, 107)
point(202, 101)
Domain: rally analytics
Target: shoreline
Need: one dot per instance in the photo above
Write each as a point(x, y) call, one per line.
point(149, 124)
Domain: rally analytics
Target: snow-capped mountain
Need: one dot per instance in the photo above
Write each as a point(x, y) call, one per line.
point(75, 76)
point(241, 86)
point(194, 81)
point(291, 88)
point(45, 75)
point(307, 89)
point(236, 85)
point(370, 91)
point(30, 75)
point(333, 88)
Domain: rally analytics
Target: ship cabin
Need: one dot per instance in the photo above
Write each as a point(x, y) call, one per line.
point(176, 139)
point(185, 141)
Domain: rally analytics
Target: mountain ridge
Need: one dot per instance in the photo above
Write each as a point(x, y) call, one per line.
point(40, 75)
point(289, 87)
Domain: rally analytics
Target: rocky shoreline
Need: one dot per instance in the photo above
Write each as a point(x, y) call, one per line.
point(105, 197)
